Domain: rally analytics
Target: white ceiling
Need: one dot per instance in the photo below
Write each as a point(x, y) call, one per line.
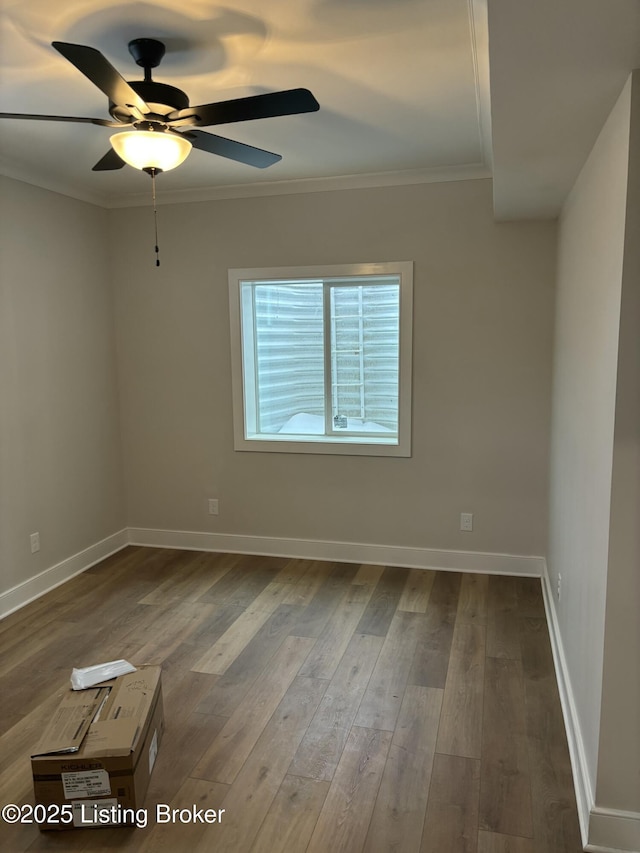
point(557, 69)
point(409, 90)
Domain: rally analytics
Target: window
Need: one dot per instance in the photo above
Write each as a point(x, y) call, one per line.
point(321, 358)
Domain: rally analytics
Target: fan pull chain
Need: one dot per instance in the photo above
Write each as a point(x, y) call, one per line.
point(155, 214)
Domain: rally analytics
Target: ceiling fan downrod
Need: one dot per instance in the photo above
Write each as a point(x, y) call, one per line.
point(148, 54)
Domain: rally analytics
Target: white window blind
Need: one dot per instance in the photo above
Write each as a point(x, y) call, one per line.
point(319, 358)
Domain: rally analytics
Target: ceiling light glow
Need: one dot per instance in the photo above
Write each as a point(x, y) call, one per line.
point(151, 149)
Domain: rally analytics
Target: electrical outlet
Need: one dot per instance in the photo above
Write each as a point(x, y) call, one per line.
point(35, 542)
point(213, 506)
point(559, 591)
point(466, 521)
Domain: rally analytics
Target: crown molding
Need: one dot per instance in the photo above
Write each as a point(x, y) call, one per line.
point(465, 172)
point(471, 171)
point(27, 175)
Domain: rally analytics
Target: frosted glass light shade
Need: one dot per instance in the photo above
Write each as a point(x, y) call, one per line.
point(151, 149)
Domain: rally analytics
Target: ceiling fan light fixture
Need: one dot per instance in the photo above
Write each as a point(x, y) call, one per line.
point(151, 149)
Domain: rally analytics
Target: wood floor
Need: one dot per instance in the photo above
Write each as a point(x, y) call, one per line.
point(326, 707)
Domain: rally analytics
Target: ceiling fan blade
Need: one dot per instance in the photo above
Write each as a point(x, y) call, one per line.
point(102, 74)
point(271, 104)
point(232, 150)
point(101, 121)
point(109, 162)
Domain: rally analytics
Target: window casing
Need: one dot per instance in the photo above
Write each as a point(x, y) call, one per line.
point(321, 358)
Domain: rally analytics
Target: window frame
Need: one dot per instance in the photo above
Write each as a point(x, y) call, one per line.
point(334, 444)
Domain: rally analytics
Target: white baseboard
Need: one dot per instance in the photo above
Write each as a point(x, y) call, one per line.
point(581, 779)
point(347, 552)
point(603, 830)
point(613, 831)
point(29, 590)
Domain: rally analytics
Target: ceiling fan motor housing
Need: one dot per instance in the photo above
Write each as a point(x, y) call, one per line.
point(162, 98)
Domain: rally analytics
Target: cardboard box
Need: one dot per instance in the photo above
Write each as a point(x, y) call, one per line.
point(98, 751)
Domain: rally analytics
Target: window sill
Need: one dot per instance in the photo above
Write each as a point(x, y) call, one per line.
point(332, 445)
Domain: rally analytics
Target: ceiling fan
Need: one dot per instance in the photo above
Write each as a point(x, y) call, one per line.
point(159, 127)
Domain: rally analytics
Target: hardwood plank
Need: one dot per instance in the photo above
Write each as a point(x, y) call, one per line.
point(127, 640)
point(492, 842)
point(185, 619)
point(229, 584)
point(109, 615)
point(195, 579)
point(529, 597)
point(211, 627)
point(502, 637)
point(431, 660)
point(16, 783)
point(257, 782)
point(343, 822)
point(460, 731)
point(169, 837)
point(399, 812)
point(293, 572)
point(192, 734)
point(228, 752)
point(343, 573)
point(20, 836)
point(505, 799)
point(108, 628)
point(381, 702)
point(555, 823)
point(231, 688)
point(325, 600)
point(150, 567)
point(292, 817)
point(28, 617)
point(307, 586)
point(268, 563)
point(258, 573)
point(26, 687)
point(368, 574)
point(544, 720)
point(451, 821)
point(383, 602)
point(335, 636)
point(182, 688)
point(472, 604)
point(224, 651)
point(59, 638)
point(537, 658)
point(416, 592)
point(70, 840)
point(555, 817)
point(20, 626)
point(503, 640)
point(320, 750)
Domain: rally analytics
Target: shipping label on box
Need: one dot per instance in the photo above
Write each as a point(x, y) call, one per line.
point(85, 783)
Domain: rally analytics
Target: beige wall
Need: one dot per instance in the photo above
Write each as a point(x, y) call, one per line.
point(618, 783)
point(482, 364)
point(594, 505)
point(60, 460)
